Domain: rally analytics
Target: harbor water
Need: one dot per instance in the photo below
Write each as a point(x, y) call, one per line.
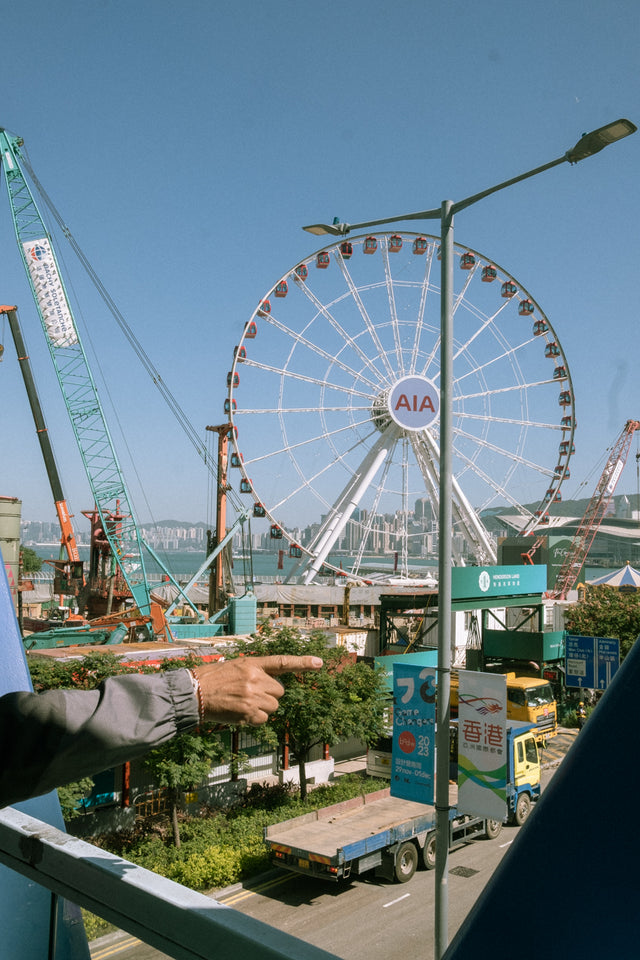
point(263, 566)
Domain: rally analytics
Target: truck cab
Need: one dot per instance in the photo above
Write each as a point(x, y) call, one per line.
point(523, 767)
point(523, 770)
point(531, 699)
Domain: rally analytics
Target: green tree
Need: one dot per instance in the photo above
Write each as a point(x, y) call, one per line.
point(606, 612)
point(182, 764)
point(31, 562)
point(72, 795)
point(345, 699)
point(85, 674)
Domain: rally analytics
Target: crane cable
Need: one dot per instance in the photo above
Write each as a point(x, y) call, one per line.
point(169, 398)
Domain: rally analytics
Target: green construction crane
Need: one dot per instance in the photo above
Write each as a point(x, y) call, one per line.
point(74, 375)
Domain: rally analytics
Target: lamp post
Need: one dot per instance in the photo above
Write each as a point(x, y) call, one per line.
point(588, 144)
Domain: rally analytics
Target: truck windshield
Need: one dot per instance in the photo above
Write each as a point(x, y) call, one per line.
point(537, 696)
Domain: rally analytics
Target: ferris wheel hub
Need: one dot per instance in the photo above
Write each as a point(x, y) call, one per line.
point(380, 411)
point(413, 402)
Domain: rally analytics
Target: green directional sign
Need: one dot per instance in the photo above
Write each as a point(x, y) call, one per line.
point(500, 581)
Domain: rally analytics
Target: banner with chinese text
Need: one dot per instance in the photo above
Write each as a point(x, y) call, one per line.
point(49, 291)
point(482, 746)
point(414, 724)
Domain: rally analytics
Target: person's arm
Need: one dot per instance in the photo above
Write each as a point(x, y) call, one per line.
point(51, 738)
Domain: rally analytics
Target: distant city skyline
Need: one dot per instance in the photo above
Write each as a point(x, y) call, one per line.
point(173, 535)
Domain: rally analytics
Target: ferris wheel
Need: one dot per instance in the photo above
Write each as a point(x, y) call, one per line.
point(333, 404)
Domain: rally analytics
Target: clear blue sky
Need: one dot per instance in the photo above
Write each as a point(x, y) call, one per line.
point(185, 145)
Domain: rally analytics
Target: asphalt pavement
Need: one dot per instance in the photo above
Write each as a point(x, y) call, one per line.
point(557, 747)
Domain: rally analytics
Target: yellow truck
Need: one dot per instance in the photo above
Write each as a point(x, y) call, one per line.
point(529, 699)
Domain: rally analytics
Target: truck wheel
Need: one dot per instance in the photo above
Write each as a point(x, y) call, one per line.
point(492, 829)
point(406, 862)
point(523, 809)
point(429, 851)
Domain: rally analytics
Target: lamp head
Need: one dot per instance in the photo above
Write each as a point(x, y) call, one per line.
point(336, 229)
point(597, 140)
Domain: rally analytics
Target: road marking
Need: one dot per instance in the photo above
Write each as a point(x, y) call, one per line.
point(392, 902)
point(112, 949)
point(507, 844)
point(245, 894)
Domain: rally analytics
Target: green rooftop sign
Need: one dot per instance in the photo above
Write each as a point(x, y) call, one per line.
point(504, 581)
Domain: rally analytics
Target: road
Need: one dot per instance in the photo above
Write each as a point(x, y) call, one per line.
point(398, 918)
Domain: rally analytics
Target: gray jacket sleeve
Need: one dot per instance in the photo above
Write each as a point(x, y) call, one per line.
point(52, 738)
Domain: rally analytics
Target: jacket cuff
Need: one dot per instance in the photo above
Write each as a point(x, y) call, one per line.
point(183, 698)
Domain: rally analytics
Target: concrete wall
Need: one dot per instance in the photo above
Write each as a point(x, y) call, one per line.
point(318, 771)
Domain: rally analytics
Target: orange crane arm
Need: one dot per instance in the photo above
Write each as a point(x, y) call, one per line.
point(68, 538)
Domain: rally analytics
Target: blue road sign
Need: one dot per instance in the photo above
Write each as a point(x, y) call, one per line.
point(580, 661)
point(591, 662)
point(608, 660)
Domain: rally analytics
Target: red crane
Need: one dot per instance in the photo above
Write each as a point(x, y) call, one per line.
point(594, 514)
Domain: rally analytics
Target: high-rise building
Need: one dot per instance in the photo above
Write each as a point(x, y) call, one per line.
point(423, 510)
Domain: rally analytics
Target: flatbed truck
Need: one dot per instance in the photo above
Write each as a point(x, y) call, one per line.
point(372, 832)
point(391, 836)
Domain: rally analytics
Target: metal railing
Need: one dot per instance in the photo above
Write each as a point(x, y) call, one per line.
point(180, 922)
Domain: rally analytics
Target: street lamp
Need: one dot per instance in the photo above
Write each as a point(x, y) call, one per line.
point(588, 144)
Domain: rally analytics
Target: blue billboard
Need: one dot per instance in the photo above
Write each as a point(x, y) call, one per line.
point(414, 726)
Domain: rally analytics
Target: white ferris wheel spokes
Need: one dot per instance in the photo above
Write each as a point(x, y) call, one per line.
point(333, 396)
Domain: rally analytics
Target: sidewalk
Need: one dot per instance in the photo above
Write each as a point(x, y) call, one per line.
point(558, 746)
point(354, 765)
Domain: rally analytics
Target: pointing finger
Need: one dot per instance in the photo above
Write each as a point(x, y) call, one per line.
point(285, 663)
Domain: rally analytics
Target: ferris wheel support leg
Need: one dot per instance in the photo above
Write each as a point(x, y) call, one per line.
point(475, 530)
point(340, 519)
point(464, 516)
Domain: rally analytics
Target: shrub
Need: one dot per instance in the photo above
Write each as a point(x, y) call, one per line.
point(71, 797)
point(224, 847)
point(211, 866)
point(264, 796)
point(570, 718)
point(95, 926)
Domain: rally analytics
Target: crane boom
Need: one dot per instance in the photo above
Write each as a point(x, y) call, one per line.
point(74, 375)
point(68, 538)
point(594, 514)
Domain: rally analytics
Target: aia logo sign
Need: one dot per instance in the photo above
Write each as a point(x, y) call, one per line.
point(414, 402)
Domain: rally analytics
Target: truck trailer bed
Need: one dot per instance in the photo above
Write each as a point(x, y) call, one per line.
point(354, 823)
